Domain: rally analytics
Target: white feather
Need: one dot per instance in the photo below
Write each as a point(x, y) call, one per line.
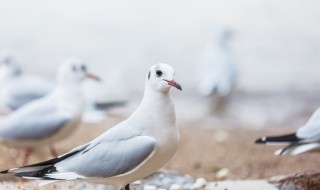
point(65, 175)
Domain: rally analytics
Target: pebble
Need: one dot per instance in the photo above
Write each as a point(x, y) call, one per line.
point(175, 187)
point(149, 187)
point(223, 174)
point(200, 183)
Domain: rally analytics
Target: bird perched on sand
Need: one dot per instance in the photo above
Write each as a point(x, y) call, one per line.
point(16, 87)
point(306, 138)
point(51, 118)
point(131, 150)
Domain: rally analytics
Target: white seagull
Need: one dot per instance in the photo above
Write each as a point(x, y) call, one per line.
point(16, 87)
point(51, 118)
point(306, 138)
point(217, 73)
point(131, 150)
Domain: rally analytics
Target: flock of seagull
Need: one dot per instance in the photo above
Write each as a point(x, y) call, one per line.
point(41, 113)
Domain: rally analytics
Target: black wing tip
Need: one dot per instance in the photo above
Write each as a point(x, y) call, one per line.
point(289, 138)
point(282, 152)
point(262, 140)
point(108, 105)
point(38, 173)
point(4, 172)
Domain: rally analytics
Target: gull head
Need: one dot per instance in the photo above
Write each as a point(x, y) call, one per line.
point(160, 77)
point(9, 64)
point(74, 70)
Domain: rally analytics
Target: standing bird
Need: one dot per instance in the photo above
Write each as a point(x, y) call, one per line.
point(306, 138)
point(218, 73)
point(51, 118)
point(16, 87)
point(131, 150)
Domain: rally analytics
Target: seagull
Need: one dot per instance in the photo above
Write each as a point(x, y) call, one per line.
point(131, 150)
point(306, 138)
point(16, 87)
point(51, 118)
point(217, 73)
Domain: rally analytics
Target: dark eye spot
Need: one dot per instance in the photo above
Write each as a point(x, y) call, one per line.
point(159, 73)
point(83, 68)
point(149, 75)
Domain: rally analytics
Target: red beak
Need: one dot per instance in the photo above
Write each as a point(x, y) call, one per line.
point(92, 76)
point(173, 83)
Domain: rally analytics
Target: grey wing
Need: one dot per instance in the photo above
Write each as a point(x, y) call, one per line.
point(107, 159)
point(26, 89)
point(33, 122)
point(19, 100)
point(309, 132)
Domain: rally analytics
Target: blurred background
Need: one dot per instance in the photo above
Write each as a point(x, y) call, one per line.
point(275, 46)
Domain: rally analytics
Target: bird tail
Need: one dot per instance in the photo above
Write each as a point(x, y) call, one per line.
point(108, 105)
point(283, 139)
point(295, 149)
point(39, 170)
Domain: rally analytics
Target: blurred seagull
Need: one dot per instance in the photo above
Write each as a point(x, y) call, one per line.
point(16, 87)
point(307, 138)
point(218, 73)
point(51, 118)
point(131, 150)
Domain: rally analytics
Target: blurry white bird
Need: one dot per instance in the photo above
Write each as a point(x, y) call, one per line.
point(131, 150)
point(307, 138)
point(16, 87)
point(51, 118)
point(217, 73)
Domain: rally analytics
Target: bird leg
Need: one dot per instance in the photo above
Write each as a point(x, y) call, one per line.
point(127, 187)
point(53, 151)
point(26, 156)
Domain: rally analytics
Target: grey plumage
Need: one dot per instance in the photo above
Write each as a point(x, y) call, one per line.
point(109, 158)
point(25, 123)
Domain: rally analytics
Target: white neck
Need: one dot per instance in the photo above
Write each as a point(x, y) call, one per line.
point(69, 97)
point(155, 105)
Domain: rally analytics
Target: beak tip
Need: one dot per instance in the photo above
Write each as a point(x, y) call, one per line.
point(94, 77)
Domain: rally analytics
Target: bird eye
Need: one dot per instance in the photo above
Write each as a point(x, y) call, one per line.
point(83, 68)
point(159, 73)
